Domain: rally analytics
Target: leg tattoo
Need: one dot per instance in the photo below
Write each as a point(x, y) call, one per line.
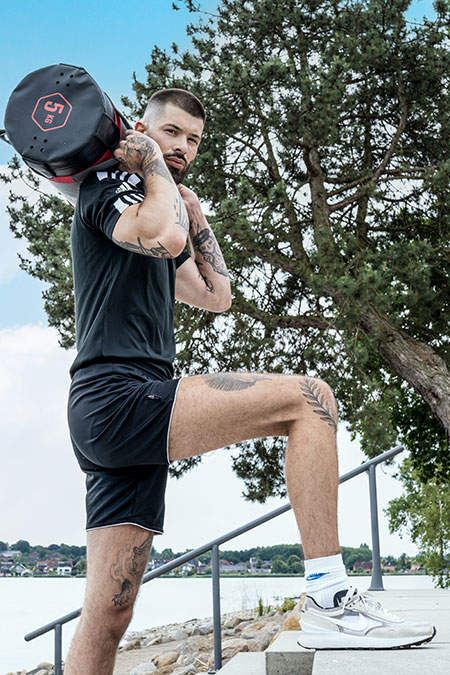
point(233, 381)
point(128, 570)
point(314, 398)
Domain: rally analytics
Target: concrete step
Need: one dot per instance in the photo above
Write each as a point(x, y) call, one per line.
point(245, 663)
point(285, 656)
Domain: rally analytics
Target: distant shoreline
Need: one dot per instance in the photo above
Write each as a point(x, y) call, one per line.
point(222, 576)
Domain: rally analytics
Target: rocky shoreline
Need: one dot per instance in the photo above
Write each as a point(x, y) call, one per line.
point(187, 648)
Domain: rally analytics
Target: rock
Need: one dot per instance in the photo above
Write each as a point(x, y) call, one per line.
point(201, 643)
point(144, 669)
point(256, 626)
point(205, 628)
point(233, 621)
point(134, 644)
point(45, 665)
point(187, 670)
point(291, 623)
point(177, 634)
point(42, 671)
point(232, 647)
point(153, 641)
point(165, 659)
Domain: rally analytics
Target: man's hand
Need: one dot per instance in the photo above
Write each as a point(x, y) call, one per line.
point(137, 153)
point(189, 197)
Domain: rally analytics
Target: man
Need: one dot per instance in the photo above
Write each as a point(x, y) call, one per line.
point(129, 418)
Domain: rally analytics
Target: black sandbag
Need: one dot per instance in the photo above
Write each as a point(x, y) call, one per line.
point(63, 125)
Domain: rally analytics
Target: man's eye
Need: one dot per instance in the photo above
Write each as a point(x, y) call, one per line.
point(171, 131)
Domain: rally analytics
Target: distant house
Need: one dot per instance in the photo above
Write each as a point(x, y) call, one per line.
point(416, 567)
point(5, 567)
point(21, 570)
point(154, 564)
point(387, 568)
point(230, 568)
point(187, 567)
point(364, 565)
point(41, 568)
point(50, 565)
point(10, 554)
point(64, 569)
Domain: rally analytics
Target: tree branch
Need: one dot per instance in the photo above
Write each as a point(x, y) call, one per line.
point(388, 156)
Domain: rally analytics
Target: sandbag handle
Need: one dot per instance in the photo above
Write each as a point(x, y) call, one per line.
point(4, 137)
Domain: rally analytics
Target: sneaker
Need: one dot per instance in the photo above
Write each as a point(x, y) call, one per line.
point(357, 621)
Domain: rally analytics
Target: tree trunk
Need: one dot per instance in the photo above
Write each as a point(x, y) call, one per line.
point(415, 362)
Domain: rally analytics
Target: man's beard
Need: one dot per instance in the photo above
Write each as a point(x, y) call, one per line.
point(177, 174)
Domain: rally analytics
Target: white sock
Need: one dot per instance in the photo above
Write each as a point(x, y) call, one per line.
point(324, 578)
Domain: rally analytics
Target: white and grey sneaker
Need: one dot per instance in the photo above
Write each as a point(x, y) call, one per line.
point(357, 621)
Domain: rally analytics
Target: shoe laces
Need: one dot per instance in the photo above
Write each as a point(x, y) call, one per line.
point(369, 604)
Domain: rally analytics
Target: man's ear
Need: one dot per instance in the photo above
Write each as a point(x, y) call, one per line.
point(141, 126)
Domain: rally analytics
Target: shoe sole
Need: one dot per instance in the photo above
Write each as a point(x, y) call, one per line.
point(342, 641)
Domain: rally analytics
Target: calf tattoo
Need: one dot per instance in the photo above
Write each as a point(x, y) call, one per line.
point(233, 381)
point(128, 571)
point(314, 398)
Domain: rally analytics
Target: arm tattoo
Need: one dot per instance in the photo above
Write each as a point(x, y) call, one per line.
point(205, 243)
point(181, 213)
point(314, 398)
point(156, 167)
point(128, 571)
point(208, 283)
point(141, 151)
point(233, 381)
point(156, 251)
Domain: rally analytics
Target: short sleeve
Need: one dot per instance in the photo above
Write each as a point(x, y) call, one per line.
point(180, 259)
point(105, 195)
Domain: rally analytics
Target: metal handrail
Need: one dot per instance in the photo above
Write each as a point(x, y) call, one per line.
point(376, 584)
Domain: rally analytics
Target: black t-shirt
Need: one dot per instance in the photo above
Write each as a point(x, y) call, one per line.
point(123, 301)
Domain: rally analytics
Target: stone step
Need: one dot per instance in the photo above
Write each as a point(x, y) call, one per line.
point(285, 656)
point(245, 663)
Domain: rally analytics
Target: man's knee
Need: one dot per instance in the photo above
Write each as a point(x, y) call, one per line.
point(113, 619)
point(318, 398)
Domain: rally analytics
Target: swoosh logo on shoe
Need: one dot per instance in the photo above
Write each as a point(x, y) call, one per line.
point(360, 626)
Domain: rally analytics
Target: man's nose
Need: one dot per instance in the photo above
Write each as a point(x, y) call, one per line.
point(181, 145)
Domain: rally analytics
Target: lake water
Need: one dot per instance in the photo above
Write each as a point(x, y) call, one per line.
point(29, 603)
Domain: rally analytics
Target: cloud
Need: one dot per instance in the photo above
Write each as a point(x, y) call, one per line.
point(42, 489)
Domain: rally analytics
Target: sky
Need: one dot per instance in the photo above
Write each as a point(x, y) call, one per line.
point(41, 487)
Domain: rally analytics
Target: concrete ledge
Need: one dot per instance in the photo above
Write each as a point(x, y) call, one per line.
point(245, 663)
point(286, 657)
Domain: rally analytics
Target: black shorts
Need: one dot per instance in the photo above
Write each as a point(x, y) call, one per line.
point(119, 420)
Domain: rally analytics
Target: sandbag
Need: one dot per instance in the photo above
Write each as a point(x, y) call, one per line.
point(63, 126)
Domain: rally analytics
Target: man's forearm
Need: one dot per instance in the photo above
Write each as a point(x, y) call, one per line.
point(207, 254)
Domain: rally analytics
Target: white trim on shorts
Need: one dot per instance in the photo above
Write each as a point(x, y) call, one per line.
point(170, 422)
point(102, 527)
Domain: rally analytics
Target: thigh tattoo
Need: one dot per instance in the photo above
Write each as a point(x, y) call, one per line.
point(233, 381)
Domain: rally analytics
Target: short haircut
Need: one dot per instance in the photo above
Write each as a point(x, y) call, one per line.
point(180, 97)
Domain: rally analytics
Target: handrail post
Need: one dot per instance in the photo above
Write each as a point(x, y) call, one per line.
point(58, 649)
point(216, 609)
point(377, 580)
